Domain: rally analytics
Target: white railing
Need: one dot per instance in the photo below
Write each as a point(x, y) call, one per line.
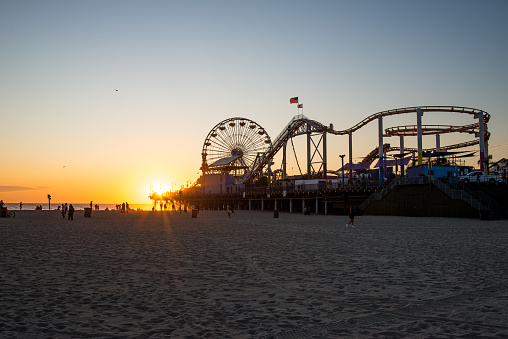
point(483, 203)
point(379, 195)
point(459, 194)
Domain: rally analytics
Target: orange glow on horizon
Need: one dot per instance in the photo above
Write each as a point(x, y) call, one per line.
point(72, 186)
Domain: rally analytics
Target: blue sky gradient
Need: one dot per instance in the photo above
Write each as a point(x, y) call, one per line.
point(181, 67)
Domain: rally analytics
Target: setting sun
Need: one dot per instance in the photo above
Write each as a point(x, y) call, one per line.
point(158, 188)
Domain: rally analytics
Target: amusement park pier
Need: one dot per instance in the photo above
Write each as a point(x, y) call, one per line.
point(238, 159)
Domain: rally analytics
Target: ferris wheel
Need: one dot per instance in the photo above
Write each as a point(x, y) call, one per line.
point(233, 145)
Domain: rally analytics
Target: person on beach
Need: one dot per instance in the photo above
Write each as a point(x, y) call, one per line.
point(230, 211)
point(351, 217)
point(20, 205)
point(64, 210)
point(71, 212)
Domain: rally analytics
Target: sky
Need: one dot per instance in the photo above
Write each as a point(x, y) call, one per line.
point(101, 99)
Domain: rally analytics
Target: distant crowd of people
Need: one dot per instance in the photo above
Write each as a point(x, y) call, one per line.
point(164, 206)
point(68, 210)
point(123, 208)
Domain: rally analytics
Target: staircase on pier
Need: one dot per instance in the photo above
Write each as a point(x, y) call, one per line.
point(480, 201)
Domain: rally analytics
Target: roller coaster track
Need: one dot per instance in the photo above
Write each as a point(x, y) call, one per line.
point(432, 129)
point(387, 148)
point(300, 124)
point(412, 130)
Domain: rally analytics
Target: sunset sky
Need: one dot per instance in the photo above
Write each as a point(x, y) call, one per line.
point(101, 99)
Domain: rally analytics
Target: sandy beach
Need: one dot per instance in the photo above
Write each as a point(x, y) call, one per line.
point(165, 274)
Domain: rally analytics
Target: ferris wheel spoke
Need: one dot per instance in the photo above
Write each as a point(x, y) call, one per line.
point(259, 147)
point(219, 145)
point(242, 137)
point(225, 139)
point(248, 137)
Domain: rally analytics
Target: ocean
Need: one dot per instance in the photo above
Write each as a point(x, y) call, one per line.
point(54, 206)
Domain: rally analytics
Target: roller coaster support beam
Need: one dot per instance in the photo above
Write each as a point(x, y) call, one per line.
point(269, 173)
point(401, 146)
point(487, 153)
point(309, 159)
point(284, 173)
point(419, 114)
point(482, 141)
point(324, 156)
point(438, 144)
point(342, 158)
point(350, 156)
point(381, 171)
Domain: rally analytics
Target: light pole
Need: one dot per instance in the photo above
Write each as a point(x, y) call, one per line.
point(49, 202)
point(396, 157)
point(342, 158)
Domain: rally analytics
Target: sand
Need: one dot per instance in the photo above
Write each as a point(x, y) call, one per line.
point(162, 274)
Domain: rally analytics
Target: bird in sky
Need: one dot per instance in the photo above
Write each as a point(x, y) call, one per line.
point(116, 90)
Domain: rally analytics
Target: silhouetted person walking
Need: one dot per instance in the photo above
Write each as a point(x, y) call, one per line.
point(230, 211)
point(351, 217)
point(64, 210)
point(71, 212)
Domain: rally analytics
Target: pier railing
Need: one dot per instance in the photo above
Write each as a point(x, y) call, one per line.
point(459, 194)
point(477, 200)
point(491, 204)
point(307, 188)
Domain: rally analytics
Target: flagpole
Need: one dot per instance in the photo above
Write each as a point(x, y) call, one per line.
point(294, 100)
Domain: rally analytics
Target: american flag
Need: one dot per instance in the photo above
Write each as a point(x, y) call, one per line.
point(300, 105)
point(293, 100)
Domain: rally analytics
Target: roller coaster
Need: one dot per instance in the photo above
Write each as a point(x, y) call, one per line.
point(243, 148)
